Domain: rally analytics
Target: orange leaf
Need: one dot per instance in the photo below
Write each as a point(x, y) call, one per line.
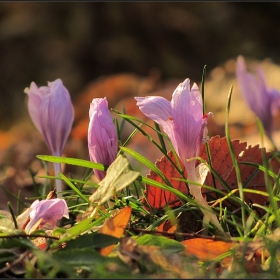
point(207, 249)
point(166, 226)
point(115, 227)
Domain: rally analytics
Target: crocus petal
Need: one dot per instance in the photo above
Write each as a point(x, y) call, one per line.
point(22, 218)
point(34, 104)
point(102, 135)
point(159, 110)
point(156, 108)
point(183, 121)
point(275, 100)
point(258, 97)
point(50, 211)
point(52, 113)
point(187, 119)
point(252, 88)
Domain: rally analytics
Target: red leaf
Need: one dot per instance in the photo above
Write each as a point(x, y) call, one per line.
point(222, 164)
point(158, 197)
point(221, 159)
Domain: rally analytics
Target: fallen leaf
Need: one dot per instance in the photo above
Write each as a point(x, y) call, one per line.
point(118, 176)
point(223, 165)
point(221, 158)
point(166, 226)
point(207, 249)
point(152, 257)
point(158, 198)
point(115, 227)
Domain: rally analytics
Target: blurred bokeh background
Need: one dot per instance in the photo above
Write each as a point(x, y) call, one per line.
point(124, 49)
point(82, 41)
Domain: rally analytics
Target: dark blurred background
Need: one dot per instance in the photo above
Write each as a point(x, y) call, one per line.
point(79, 42)
point(120, 50)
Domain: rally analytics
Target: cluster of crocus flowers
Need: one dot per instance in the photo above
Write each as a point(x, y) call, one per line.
point(52, 113)
point(102, 135)
point(263, 101)
point(183, 121)
point(44, 213)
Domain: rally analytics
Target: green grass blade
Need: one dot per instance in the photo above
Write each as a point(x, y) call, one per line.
point(161, 139)
point(116, 123)
point(77, 229)
point(130, 119)
point(203, 107)
point(18, 202)
point(236, 167)
point(130, 136)
point(266, 176)
point(146, 162)
point(202, 87)
point(94, 185)
point(165, 187)
point(14, 196)
point(72, 186)
point(164, 151)
point(73, 161)
point(261, 168)
point(13, 214)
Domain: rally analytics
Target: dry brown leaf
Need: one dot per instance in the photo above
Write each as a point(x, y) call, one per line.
point(133, 255)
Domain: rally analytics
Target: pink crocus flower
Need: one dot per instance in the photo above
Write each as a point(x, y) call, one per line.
point(183, 121)
point(102, 135)
point(52, 113)
point(49, 210)
point(263, 101)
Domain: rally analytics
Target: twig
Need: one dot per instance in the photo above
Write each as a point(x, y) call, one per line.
point(184, 234)
point(30, 235)
point(18, 260)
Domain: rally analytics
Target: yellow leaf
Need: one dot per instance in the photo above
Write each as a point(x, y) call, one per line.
point(117, 178)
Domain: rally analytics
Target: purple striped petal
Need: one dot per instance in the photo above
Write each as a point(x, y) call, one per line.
point(102, 135)
point(52, 113)
point(181, 119)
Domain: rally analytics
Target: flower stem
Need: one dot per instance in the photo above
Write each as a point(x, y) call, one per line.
point(58, 183)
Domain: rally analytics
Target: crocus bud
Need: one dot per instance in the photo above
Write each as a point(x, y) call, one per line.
point(52, 113)
point(261, 99)
point(102, 135)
